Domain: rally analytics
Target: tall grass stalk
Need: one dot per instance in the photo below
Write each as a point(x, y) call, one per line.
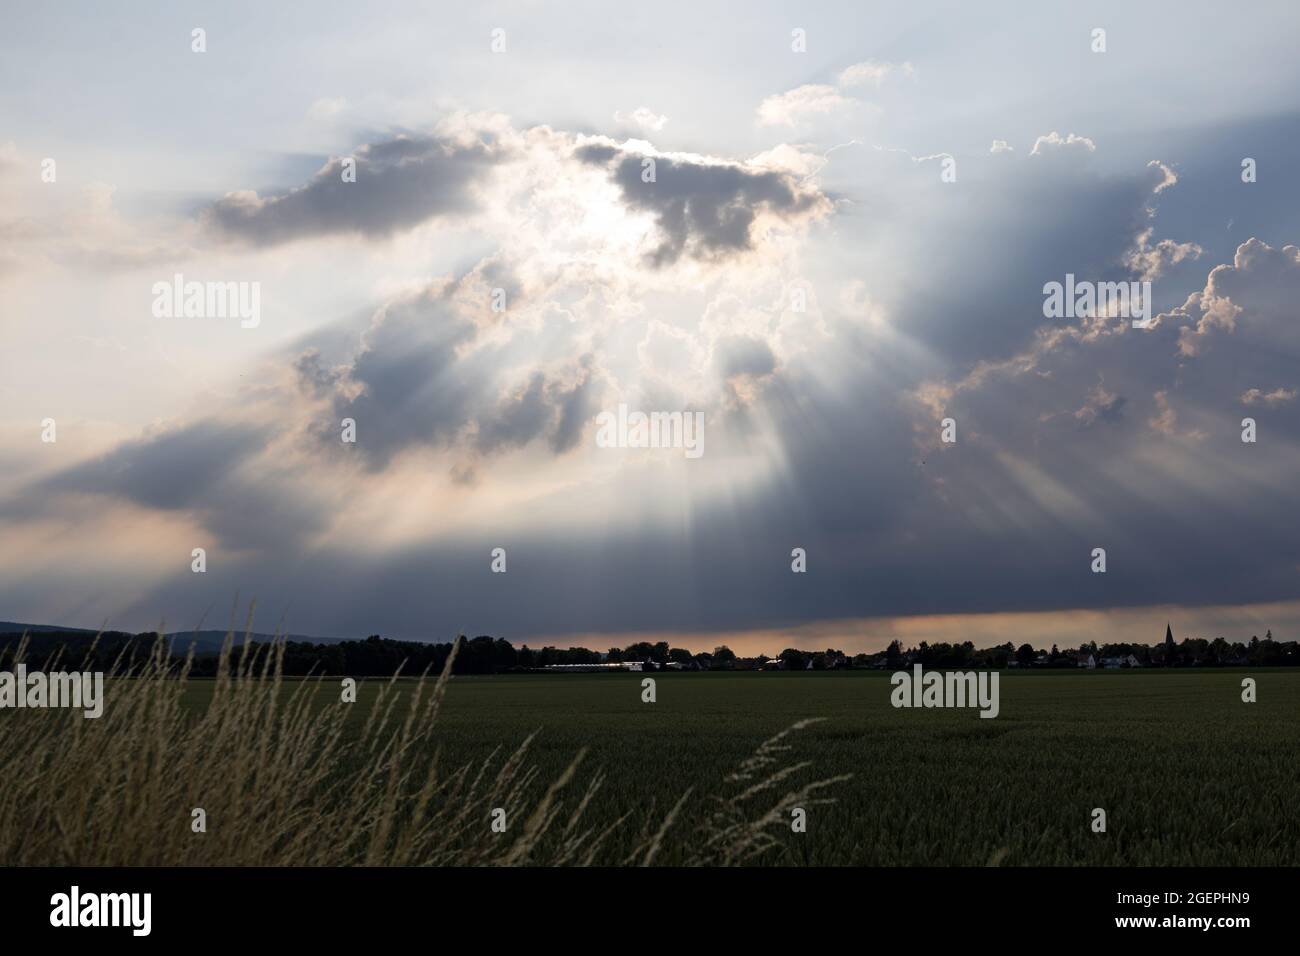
point(285, 780)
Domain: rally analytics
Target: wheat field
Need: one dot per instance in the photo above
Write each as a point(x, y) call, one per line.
point(586, 772)
point(288, 774)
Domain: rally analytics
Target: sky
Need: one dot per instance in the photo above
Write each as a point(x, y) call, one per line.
point(475, 232)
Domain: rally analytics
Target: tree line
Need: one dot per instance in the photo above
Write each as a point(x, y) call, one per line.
point(377, 656)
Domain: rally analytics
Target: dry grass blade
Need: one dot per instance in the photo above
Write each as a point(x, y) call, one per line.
point(287, 776)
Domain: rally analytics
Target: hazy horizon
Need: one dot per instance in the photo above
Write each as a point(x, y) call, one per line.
point(828, 232)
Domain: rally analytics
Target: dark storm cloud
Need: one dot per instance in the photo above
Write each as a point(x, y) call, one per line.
point(575, 404)
point(743, 355)
point(518, 419)
point(1071, 436)
point(400, 183)
point(888, 529)
point(169, 471)
point(973, 286)
point(416, 381)
point(1105, 436)
point(422, 379)
point(198, 469)
point(704, 210)
point(1004, 520)
point(546, 408)
point(406, 386)
point(313, 376)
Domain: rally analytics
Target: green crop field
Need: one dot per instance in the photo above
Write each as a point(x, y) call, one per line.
point(1187, 773)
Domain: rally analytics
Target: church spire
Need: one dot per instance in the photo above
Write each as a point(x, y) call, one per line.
point(1169, 635)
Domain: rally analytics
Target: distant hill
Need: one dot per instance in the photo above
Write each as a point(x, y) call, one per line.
point(81, 649)
point(205, 642)
point(12, 627)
